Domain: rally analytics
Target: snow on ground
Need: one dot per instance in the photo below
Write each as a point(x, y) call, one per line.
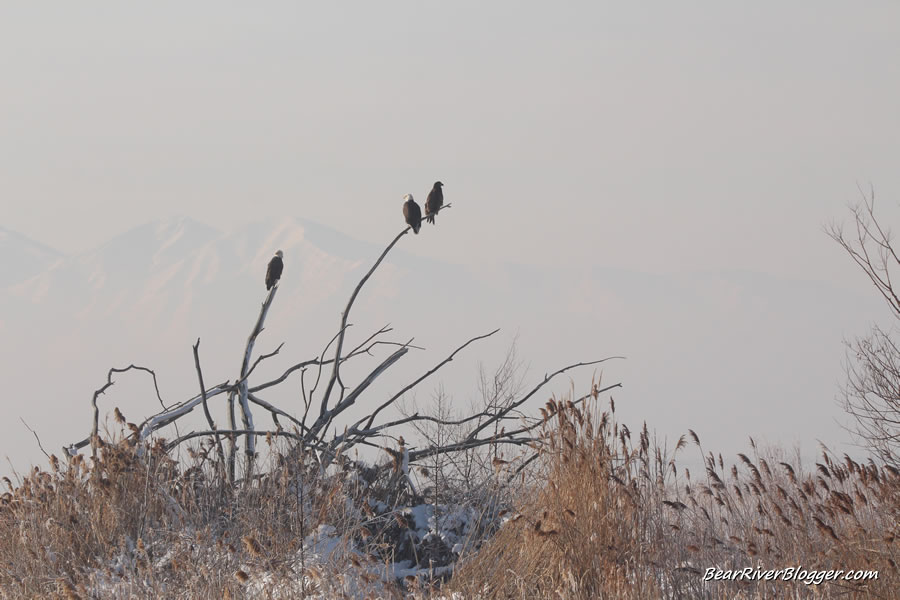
point(332, 563)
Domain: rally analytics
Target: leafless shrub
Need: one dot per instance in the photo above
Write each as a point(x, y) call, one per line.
point(872, 393)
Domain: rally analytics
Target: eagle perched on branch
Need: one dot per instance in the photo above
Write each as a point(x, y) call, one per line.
point(434, 202)
point(273, 273)
point(412, 213)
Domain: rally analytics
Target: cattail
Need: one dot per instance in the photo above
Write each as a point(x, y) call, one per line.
point(241, 576)
point(790, 472)
point(694, 436)
point(781, 515)
point(825, 528)
point(120, 418)
point(252, 546)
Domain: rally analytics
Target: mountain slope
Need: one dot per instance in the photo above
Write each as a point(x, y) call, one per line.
point(21, 257)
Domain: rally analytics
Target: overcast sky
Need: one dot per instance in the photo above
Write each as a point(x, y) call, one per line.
point(656, 137)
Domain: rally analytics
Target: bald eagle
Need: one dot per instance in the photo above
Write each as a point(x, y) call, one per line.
point(412, 213)
point(273, 273)
point(434, 202)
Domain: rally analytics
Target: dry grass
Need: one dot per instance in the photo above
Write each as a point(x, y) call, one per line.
point(145, 526)
point(608, 515)
point(613, 519)
point(585, 532)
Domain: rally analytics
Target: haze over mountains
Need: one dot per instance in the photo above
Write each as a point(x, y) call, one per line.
point(760, 354)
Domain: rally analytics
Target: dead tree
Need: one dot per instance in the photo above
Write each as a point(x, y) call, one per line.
point(872, 392)
point(496, 424)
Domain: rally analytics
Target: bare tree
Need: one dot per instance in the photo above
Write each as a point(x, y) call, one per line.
point(872, 392)
point(501, 421)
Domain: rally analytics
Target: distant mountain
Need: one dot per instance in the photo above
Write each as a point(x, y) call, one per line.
point(175, 274)
point(21, 257)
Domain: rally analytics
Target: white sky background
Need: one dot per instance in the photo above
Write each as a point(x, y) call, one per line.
point(666, 138)
point(657, 137)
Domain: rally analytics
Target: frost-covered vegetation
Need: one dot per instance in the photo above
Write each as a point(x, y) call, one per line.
point(602, 512)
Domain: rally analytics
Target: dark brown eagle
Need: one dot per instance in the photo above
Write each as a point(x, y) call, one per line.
point(273, 273)
point(412, 213)
point(434, 202)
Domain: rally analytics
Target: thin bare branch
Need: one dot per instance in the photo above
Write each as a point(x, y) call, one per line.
point(350, 399)
point(258, 360)
point(34, 433)
point(206, 412)
point(276, 411)
point(371, 418)
point(335, 372)
point(109, 383)
point(230, 432)
point(520, 402)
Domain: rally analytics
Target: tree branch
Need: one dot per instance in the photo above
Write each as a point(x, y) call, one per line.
point(335, 372)
point(519, 403)
point(206, 412)
point(243, 388)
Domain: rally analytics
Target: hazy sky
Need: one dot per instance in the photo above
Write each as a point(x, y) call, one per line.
point(655, 137)
point(658, 136)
